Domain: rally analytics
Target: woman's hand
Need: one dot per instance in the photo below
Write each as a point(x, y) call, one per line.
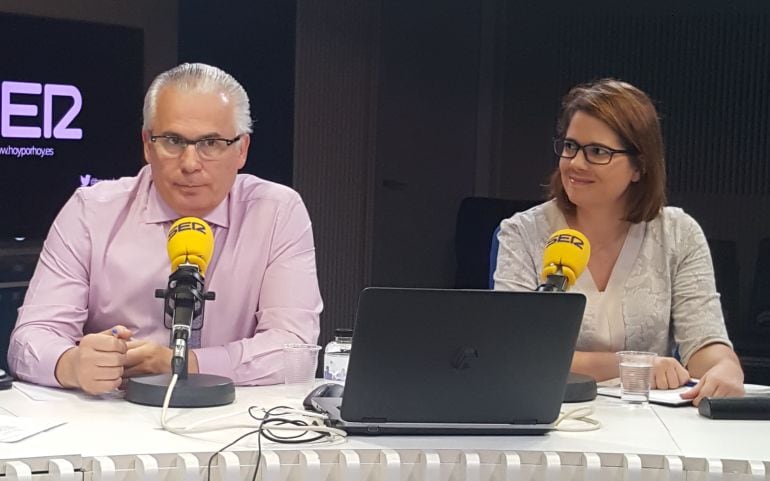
point(724, 379)
point(719, 371)
point(668, 373)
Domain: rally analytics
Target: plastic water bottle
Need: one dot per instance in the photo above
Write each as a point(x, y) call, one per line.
point(337, 355)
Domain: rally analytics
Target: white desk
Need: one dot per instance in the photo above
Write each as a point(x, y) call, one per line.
point(697, 436)
point(649, 442)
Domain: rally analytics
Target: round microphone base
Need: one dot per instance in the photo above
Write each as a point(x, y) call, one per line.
point(197, 391)
point(580, 388)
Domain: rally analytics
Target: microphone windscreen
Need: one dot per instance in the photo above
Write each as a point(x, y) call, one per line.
point(568, 249)
point(191, 241)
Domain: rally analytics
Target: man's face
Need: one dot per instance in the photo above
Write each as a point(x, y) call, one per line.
point(190, 182)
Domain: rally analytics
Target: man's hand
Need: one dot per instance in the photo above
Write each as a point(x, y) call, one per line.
point(723, 380)
point(668, 373)
point(147, 357)
point(96, 364)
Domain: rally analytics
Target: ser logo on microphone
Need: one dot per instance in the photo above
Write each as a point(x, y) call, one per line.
point(567, 239)
point(183, 226)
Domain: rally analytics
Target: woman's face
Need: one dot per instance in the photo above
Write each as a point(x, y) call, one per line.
point(591, 186)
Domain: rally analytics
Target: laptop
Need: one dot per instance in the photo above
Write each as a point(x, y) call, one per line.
point(437, 361)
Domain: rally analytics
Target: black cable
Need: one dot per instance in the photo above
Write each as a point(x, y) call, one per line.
point(292, 439)
point(259, 453)
point(261, 431)
point(211, 459)
point(259, 436)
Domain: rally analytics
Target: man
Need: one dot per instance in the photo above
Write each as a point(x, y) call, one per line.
point(90, 319)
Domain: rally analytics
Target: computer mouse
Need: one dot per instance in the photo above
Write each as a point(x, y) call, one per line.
point(5, 380)
point(324, 390)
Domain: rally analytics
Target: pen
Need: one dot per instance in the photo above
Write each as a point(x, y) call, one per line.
point(692, 382)
point(116, 333)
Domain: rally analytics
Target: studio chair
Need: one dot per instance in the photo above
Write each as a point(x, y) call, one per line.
point(494, 248)
point(477, 219)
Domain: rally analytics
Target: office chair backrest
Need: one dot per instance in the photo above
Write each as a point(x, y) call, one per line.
point(477, 219)
point(493, 249)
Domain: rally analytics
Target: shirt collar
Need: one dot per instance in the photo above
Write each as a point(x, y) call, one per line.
point(158, 211)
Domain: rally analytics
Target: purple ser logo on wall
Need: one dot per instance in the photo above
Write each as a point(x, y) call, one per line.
point(61, 130)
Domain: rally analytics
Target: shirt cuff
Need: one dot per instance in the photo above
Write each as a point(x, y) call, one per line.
point(40, 367)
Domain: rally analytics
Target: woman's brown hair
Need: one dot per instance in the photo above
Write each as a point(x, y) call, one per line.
point(629, 112)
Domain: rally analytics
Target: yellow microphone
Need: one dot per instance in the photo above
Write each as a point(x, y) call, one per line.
point(565, 257)
point(190, 241)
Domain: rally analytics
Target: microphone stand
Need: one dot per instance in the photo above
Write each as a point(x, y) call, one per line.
point(184, 301)
point(185, 298)
point(553, 283)
point(579, 387)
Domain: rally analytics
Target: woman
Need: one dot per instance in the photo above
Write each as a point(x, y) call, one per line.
point(650, 282)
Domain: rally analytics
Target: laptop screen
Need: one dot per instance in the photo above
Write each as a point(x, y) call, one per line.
point(460, 356)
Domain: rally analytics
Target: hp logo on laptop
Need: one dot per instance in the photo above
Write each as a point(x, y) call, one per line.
point(463, 357)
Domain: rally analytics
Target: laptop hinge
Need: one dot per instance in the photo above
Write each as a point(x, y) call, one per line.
point(525, 421)
point(374, 420)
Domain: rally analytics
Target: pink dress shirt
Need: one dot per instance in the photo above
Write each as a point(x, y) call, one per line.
point(106, 254)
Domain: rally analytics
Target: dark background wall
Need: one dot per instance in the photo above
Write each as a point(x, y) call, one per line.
point(253, 41)
point(158, 20)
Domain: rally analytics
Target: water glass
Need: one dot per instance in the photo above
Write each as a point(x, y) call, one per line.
point(299, 365)
point(635, 376)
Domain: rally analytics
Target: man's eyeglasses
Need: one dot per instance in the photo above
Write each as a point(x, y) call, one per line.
point(209, 148)
point(594, 154)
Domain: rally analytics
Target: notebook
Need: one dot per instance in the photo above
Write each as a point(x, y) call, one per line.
point(672, 397)
point(434, 361)
point(668, 397)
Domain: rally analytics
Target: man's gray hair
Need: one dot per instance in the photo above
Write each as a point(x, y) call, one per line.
point(201, 78)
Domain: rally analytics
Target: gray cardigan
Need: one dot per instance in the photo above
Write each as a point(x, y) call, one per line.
point(661, 293)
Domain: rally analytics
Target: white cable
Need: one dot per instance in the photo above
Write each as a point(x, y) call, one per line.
point(183, 431)
point(581, 415)
point(312, 427)
point(194, 428)
point(315, 428)
point(300, 412)
point(167, 401)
